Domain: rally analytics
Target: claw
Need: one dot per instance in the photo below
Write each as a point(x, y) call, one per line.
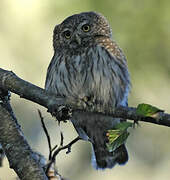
point(62, 113)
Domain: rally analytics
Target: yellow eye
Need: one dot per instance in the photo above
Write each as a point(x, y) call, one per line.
point(86, 28)
point(67, 34)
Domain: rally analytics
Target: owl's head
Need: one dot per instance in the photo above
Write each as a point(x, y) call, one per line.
point(80, 30)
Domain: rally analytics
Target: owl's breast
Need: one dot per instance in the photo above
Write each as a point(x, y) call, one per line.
point(92, 75)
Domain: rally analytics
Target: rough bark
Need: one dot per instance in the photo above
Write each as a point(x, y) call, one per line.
point(20, 156)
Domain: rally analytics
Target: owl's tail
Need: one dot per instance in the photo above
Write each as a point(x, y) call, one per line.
point(102, 158)
point(93, 127)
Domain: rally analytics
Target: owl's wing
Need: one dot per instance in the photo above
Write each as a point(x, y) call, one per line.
point(50, 73)
point(116, 52)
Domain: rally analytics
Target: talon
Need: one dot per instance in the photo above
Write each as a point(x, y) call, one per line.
point(62, 113)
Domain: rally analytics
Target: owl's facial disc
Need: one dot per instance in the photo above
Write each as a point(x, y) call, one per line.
point(80, 31)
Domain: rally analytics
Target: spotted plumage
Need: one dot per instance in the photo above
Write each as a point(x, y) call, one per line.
point(89, 66)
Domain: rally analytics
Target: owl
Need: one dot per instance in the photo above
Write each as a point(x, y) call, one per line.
point(89, 66)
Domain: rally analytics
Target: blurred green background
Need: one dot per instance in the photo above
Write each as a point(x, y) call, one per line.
point(142, 29)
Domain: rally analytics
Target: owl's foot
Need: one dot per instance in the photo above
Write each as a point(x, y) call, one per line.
point(4, 95)
point(89, 101)
point(62, 113)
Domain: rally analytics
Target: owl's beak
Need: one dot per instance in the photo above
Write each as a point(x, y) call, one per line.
point(77, 39)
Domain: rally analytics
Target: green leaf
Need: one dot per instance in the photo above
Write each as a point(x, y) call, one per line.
point(119, 141)
point(147, 110)
point(113, 135)
point(123, 125)
point(118, 135)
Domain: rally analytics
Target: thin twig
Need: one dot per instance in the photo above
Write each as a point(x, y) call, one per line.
point(61, 138)
point(68, 146)
point(54, 148)
point(61, 147)
point(49, 172)
point(46, 133)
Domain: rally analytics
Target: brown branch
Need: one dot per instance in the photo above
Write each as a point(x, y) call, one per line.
point(52, 173)
point(52, 156)
point(9, 81)
point(20, 156)
point(68, 146)
point(46, 133)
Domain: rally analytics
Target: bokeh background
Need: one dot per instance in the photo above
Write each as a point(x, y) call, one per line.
point(142, 29)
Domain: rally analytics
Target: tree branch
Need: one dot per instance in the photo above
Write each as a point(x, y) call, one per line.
point(9, 81)
point(60, 148)
point(53, 152)
point(46, 133)
point(20, 156)
point(52, 172)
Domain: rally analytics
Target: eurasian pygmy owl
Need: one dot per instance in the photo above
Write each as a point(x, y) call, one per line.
point(89, 66)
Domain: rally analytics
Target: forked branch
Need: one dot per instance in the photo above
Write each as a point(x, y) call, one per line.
point(53, 152)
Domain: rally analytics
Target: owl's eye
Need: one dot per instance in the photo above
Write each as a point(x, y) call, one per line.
point(86, 27)
point(67, 34)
